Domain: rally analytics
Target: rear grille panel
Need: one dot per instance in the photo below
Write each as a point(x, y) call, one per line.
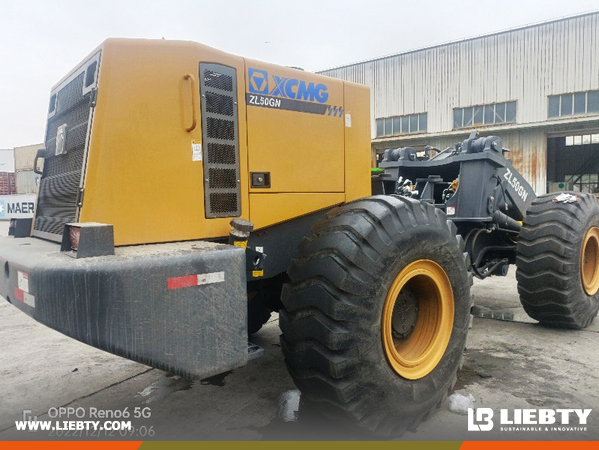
point(57, 202)
point(223, 202)
point(219, 104)
point(220, 137)
point(70, 95)
point(222, 178)
point(220, 129)
point(221, 154)
point(78, 114)
point(217, 78)
point(62, 175)
point(61, 166)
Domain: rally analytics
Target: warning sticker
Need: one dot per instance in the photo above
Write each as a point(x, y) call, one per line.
point(25, 297)
point(196, 150)
point(23, 280)
point(29, 299)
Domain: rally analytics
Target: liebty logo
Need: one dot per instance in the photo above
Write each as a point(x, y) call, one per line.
point(481, 419)
point(484, 417)
point(258, 81)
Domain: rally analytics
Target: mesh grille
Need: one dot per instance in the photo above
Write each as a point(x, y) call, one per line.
point(220, 137)
point(223, 203)
point(70, 95)
point(63, 164)
point(77, 115)
point(220, 129)
point(217, 79)
point(59, 185)
point(219, 104)
point(222, 178)
point(50, 225)
point(57, 202)
point(221, 154)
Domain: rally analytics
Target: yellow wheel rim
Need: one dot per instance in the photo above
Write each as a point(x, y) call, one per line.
point(417, 319)
point(589, 261)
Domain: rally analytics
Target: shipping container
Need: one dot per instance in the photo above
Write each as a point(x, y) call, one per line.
point(25, 156)
point(7, 183)
point(27, 182)
point(17, 206)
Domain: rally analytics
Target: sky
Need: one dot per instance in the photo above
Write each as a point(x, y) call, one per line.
point(42, 40)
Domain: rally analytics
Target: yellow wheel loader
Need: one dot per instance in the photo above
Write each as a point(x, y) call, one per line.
point(186, 193)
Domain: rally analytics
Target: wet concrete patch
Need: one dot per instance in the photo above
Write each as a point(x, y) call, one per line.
point(216, 380)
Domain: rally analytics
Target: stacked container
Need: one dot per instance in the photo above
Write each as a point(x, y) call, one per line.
point(26, 179)
point(7, 183)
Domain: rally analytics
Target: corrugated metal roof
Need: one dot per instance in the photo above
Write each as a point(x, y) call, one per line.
point(525, 65)
point(507, 30)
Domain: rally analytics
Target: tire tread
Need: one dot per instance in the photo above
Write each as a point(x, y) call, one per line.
point(548, 268)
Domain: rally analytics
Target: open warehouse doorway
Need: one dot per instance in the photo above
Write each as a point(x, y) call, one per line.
point(573, 162)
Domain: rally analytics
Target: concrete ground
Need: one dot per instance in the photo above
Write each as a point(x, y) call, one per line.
point(509, 363)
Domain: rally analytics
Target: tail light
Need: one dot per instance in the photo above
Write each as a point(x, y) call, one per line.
point(74, 235)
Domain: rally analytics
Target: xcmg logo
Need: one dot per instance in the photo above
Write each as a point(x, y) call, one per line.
point(292, 88)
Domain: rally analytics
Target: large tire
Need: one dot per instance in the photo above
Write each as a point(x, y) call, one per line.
point(558, 261)
point(341, 331)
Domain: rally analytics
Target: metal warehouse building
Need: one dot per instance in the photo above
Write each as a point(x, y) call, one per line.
point(537, 87)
